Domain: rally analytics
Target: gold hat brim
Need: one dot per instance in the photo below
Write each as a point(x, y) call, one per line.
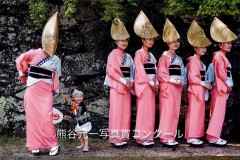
point(50, 35)
point(143, 27)
point(196, 36)
point(118, 30)
point(220, 32)
point(170, 33)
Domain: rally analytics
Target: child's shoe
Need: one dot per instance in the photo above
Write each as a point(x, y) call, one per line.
point(79, 147)
point(85, 149)
point(35, 151)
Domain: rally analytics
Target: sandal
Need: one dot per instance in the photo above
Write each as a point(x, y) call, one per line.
point(146, 143)
point(194, 141)
point(54, 150)
point(219, 142)
point(170, 143)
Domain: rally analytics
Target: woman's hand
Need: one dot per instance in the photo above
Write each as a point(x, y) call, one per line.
point(154, 88)
point(208, 86)
point(229, 89)
point(129, 85)
point(180, 82)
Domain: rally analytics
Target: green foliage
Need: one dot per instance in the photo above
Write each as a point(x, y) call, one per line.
point(202, 7)
point(177, 7)
point(115, 8)
point(217, 8)
point(38, 11)
point(118, 8)
point(71, 7)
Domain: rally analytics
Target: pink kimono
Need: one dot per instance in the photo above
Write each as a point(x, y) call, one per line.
point(38, 99)
point(194, 126)
point(119, 65)
point(169, 66)
point(145, 71)
point(222, 71)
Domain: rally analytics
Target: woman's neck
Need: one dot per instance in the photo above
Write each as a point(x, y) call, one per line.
point(197, 56)
point(224, 51)
point(45, 53)
point(121, 50)
point(145, 48)
point(171, 51)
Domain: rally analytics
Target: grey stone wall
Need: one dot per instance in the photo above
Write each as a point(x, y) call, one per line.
point(84, 44)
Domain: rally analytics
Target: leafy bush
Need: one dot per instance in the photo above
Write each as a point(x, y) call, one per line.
point(119, 8)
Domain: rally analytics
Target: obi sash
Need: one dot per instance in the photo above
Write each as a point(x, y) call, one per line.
point(202, 72)
point(125, 71)
point(149, 68)
point(174, 70)
point(39, 73)
point(228, 71)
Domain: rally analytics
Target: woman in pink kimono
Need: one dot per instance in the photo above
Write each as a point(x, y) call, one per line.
point(40, 69)
point(145, 82)
point(119, 78)
point(223, 80)
point(197, 90)
point(171, 75)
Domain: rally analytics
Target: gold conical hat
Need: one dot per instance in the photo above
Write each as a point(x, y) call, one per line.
point(196, 36)
point(118, 30)
point(220, 32)
point(143, 27)
point(50, 35)
point(170, 33)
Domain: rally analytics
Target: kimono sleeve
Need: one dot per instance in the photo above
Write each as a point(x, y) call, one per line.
point(162, 69)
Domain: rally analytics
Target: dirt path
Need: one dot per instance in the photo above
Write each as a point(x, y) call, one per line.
point(101, 149)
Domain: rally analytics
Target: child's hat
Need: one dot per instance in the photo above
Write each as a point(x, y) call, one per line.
point(170, 33)
point(196, 36)
point(76, 92)
point(220, 32)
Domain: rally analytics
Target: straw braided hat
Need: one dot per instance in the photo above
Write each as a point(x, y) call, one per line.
point(118, 30)
point(196, 36)
point(170, 33)
point(220, 32)
point(143, 27)
point(50, 35)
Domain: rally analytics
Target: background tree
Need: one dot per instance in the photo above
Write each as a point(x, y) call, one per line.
point(120, 8)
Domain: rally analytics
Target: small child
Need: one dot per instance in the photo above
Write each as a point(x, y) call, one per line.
point(81, 119)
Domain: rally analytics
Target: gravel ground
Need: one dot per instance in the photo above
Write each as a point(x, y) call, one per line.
point(101, 149)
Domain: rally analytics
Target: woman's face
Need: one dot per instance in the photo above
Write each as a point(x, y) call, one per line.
point(200, 50)
point(122, 44)
point(78, 98)
point(148, 42)
point(226, 46)
point(174, 45)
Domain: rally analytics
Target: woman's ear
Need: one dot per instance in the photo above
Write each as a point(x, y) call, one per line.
point(220, 45)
